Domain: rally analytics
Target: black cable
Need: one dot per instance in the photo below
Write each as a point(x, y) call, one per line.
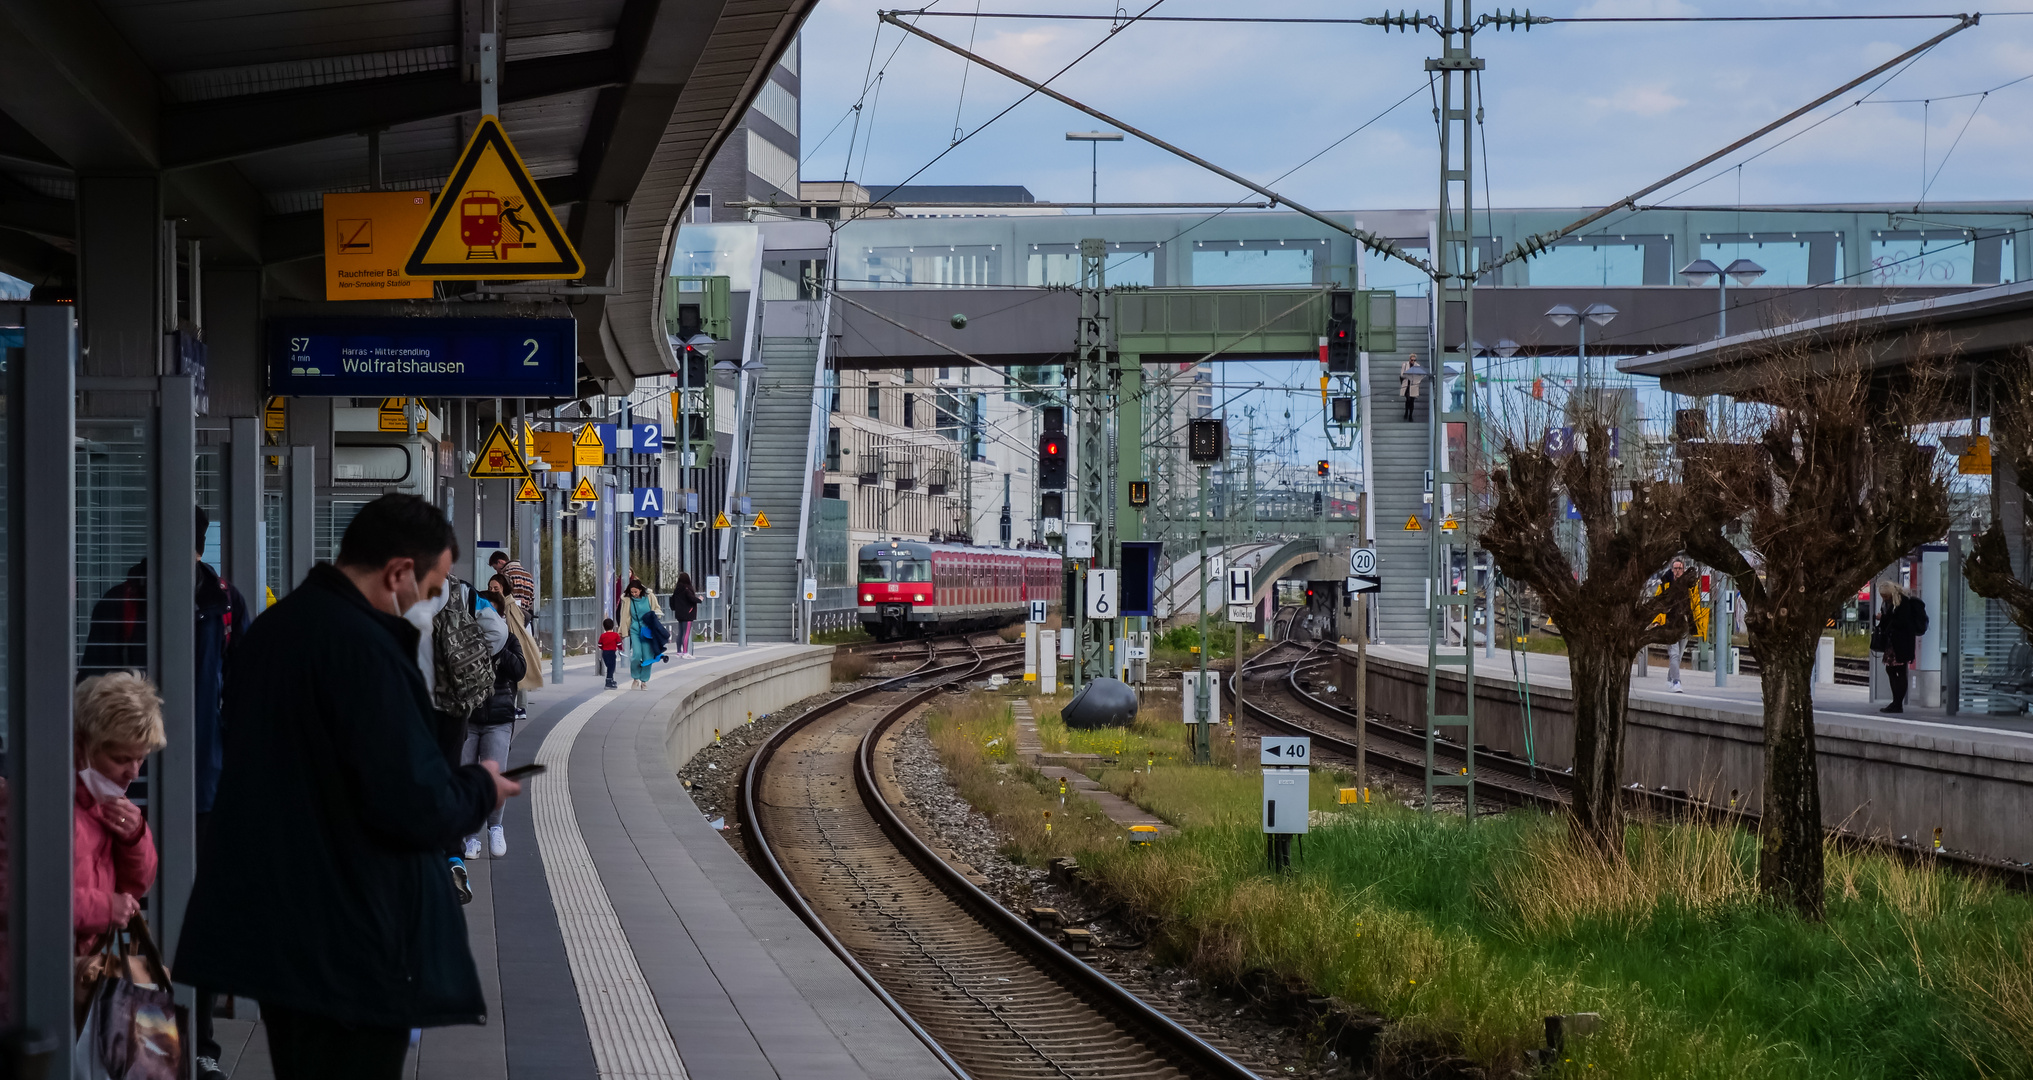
point(1063, 17)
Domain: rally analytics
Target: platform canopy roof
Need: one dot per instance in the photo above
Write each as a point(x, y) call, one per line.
point(251, 109)
point(1979, 328)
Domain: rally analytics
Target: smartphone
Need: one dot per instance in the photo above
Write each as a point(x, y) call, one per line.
point(522, 772)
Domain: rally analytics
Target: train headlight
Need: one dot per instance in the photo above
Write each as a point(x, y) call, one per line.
point(918, 598)
point(868, 598)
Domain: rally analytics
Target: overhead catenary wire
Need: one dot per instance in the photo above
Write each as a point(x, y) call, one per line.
point(1370, 21)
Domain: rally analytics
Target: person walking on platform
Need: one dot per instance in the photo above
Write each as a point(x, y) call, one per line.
point(684, 612)
point(1409, 378)
point(492, 725)
point(331, 758)
point(610, 649)
point(522, 587)
point(1674, 650)
point(1900, 624)
point(642, 627)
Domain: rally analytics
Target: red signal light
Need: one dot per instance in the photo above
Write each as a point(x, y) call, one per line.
point(1051, 448)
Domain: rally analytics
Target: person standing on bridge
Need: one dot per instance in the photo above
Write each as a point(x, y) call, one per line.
point(1409, 378)
point(1900, 624)
point(331, 757)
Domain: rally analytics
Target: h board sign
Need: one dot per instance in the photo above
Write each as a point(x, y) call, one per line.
point(1037, 611)
point(1241, 585)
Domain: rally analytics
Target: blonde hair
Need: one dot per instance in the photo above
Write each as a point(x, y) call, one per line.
point(121, 708)
point(1893, 591)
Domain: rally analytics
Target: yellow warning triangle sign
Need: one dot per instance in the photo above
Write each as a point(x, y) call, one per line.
point(497, 459)
point(587, 450)
point(762, 521)
point(492, 222)
point(584, 492)
point(1412, 524)
point(528, 492)
point(720, 520)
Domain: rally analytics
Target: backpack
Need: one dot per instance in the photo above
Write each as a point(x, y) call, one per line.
point(465, 670)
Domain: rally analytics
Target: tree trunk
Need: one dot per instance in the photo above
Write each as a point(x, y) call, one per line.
point(1789, 831)
point(1601, 677)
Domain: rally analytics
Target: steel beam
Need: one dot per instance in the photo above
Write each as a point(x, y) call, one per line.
point(172, 600)
point(206, 132)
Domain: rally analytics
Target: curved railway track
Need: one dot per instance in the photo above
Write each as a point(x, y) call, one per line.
point(1508, 780)
point(987, 993)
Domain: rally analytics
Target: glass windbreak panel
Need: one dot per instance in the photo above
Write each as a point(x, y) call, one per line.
point(1948, 257)
point(875, 569)
point(913, 570)
point(1059, 264)
point(729, 249)
point(1997, 664)
point(918, 265)
point(1589, 264)
point(273, 545)
point(112, 544)
point(1257, 262)
point(1785, 261)
point(211, 482)
point(1397, 275)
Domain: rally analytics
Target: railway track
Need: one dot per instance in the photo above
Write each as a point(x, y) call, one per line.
point(991, 996)
point(1513, 782)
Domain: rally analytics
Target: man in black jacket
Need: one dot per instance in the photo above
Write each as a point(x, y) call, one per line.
point(330, 752)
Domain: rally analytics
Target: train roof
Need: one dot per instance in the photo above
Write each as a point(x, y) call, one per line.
point(921, 549)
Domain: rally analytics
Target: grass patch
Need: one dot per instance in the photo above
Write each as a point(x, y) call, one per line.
point(1467, 937)
point(849, 636)
point(848, 666)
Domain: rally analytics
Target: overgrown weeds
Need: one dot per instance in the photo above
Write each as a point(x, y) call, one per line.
point(848, 666)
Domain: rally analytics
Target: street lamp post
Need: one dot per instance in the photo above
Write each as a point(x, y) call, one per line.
point(1742, 271)
point(1094, 139)
point(1599, 314)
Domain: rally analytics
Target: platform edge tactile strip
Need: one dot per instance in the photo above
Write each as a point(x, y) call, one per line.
point(630, 1039)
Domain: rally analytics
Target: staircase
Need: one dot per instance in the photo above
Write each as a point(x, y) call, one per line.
point(1397, 484)
point(778, 474)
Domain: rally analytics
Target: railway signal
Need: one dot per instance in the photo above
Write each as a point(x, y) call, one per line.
point(1206, 441)
point(1320, 467)
point(1341, 328)
point(1052, 460)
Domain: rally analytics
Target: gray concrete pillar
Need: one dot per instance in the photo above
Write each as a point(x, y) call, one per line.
point(172, 593)
point(241, 531)
point(120, 276)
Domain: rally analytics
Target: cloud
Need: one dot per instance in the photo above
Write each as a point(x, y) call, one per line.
point(1648, 100)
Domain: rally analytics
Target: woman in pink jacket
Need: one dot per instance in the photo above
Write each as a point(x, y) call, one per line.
point(117, 723)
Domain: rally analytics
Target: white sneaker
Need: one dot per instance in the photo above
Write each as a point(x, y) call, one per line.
point(1675, 688)
point(497, 841)
point(473, 847)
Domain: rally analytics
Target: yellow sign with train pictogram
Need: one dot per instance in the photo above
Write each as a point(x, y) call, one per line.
point(528, 492)
point(720, 520)
point(584, 492)
point(762, 521)
point(492, 222)
point(1412, 524)
point(497, 459)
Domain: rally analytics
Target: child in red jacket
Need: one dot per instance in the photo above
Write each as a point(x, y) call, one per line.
point(610, 647)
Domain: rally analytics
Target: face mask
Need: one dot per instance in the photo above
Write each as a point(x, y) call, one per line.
point(426, 608)
point(98, 785)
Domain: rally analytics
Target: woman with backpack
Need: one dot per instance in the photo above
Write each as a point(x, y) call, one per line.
point(1900, 624)
point(684, 611)
point(492, 725)
point(643, 629)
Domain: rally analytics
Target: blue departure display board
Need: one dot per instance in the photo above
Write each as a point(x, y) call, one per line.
point(425, 357)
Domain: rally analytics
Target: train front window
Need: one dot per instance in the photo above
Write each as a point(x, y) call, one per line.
point(875, 569)
point(913, 570)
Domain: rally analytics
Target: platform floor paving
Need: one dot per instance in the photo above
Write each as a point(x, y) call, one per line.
point(657, 909)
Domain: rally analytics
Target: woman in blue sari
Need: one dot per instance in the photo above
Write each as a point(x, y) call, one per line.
point(643, 629)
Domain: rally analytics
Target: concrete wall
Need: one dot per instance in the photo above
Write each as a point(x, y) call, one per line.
point(726, 701)
point(1905, 781)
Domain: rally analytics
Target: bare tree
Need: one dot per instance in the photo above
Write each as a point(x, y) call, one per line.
point(1825, 484)
point(1633, 520)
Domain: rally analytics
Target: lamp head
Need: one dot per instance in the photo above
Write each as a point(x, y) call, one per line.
point(1599, 314)
point(1744, 271)
point(1699, 272)
point(1507, 348)
point(1562, 314)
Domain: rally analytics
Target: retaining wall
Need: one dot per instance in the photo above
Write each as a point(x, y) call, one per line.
point(726, 701)
point(1906, 780)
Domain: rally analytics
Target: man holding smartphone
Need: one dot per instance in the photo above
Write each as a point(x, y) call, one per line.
point(331, 756)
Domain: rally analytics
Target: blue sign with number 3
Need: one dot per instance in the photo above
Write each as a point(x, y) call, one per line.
point(429, 357)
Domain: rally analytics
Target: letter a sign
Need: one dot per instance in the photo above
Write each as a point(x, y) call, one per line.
point(491, 222)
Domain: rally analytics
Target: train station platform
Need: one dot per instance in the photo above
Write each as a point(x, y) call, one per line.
point(1904, 775)
point(621, 936)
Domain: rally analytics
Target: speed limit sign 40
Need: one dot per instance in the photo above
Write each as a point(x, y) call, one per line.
point(1362, 562)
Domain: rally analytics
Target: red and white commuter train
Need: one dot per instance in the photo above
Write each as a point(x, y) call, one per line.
point(909, 588)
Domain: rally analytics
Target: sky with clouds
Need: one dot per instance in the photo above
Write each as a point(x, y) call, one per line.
point(1577, 114)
